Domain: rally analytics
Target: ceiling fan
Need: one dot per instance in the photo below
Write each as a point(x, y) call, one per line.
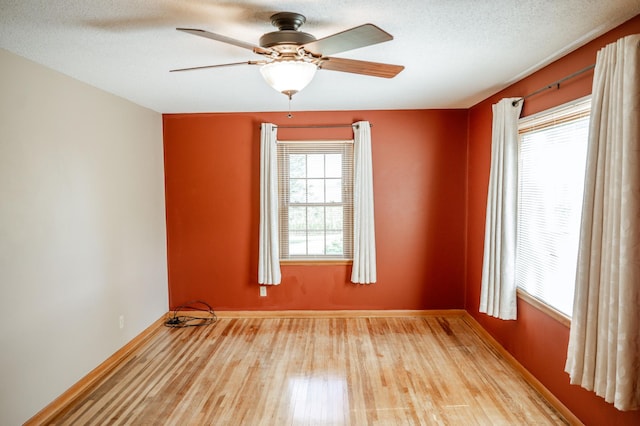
point(291, 57)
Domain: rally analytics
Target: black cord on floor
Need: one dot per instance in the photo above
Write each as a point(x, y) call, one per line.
point(178, 321)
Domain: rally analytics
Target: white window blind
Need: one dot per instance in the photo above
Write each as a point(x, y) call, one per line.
point(552, 158)
point(315, 186)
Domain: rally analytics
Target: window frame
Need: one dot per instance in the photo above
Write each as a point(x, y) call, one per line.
point(293, 147)
point(545, 120)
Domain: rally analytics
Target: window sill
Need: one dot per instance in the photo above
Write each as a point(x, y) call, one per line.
point(315, 262)
point(543, 307)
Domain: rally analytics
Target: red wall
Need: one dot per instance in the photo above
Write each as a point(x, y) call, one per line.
point(536, 340)
point(212, 196)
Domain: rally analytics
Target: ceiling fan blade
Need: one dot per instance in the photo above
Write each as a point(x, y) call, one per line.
point(364, 35)
point(219, 65)
point(374, 69)
point(225, 39)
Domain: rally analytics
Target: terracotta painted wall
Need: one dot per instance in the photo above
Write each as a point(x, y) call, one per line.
point(536, 340)
point(212, 196)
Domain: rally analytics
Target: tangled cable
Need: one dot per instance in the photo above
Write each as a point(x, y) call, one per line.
point(177, 321)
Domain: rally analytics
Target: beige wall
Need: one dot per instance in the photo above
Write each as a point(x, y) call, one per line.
point(82, 231)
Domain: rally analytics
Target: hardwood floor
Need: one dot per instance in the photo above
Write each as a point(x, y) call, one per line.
point(320, 371)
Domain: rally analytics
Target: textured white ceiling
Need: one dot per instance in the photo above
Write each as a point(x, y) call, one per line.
point(456, 52)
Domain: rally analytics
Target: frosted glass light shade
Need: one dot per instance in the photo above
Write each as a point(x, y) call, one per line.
point(288, 77)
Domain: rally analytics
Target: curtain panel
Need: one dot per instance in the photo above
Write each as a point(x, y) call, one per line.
point(269, 242)
point(364, 239)
point(498, 291)
point(604, 341)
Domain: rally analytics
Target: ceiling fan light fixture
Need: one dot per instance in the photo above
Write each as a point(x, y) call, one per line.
point(288, 77)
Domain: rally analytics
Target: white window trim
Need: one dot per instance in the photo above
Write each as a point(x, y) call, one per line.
point(286, 259)
point(529, 122)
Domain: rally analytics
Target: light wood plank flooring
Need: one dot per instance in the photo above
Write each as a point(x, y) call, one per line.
point(338, 371)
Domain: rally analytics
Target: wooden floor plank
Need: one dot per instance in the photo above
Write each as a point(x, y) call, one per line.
point(315, 371)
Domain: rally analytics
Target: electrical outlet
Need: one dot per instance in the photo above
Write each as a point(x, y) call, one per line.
point(121, 321)
point(263, 291)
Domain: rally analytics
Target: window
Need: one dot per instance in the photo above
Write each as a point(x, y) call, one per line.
point(552, 159)
point(315, 186)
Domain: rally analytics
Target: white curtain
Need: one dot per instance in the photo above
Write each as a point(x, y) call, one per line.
point(269, 251)
point(604, 342)
point(498, 291)
point(364, 238)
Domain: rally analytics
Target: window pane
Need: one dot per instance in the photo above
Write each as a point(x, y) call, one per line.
point(297, 243)
point(315, 218)
point(315, 190)
point(315, 165)
point(334, 243)
point(297, 218)
point(297, 165)
point(334, 218)
point(315, 242)
point(297, 190)
point(334, 190)
point(333, 165)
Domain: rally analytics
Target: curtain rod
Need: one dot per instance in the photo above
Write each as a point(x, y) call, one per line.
point(317, 126)
point(554, 84)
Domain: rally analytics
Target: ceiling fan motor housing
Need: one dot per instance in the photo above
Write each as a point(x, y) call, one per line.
point(287, 24)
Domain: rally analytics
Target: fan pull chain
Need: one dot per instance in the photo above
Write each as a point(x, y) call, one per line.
point(289, 115)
